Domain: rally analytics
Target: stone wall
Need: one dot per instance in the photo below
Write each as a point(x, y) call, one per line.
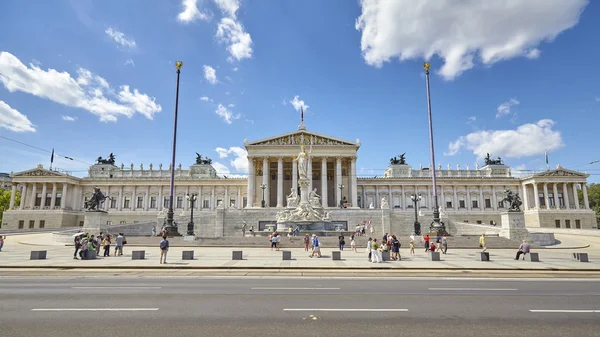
point(547, 218)
point(52, 218)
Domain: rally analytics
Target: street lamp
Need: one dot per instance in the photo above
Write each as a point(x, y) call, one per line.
point(172, 226)
point(263, 204)
point(191, 198)
point(415, 199)
point(436, 225)
point(341, 187)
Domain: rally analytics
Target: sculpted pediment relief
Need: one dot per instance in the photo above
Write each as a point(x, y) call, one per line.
point(38, 173)
point(560, 173)
point(295, 139)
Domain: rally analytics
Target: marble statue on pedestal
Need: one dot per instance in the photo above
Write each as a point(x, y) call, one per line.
point(293, 199)
point(371, 206)
point(384, 203)
point(302, 163)
point(314, 199)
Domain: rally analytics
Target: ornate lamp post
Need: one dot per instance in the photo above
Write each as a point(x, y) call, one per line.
point(171, 226)
point(262, 203)
point(341, 187)
point(436, 225)
point(415, 199)
point(191, 198)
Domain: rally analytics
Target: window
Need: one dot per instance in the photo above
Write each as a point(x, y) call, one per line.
point(206, 203)
point(126, 203)
point(152, 202)
point(179, 202)
point(80, 223)
point(561, 200)
point(448, 204)
point(42, 223)
point(488, 203)
point(58, 199)
point(577, 223)
point(113, 203)
point(567, 223)
point(461, 204)
point(166, 202)
point(31, 223)
point(219, 201)
point(48, 200)
point(121, 222)
point(232, 203)
point(475, 204)
point(21, 224)
point(542, 200)
point(108, 223)
point(557, 223)
point(246, 201)
point(38, 199)
point(140, 202)
point(479, 222)
point(465, 220)
point(492, 223)
point(551, 200)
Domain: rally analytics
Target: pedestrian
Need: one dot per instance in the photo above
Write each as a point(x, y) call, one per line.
point(1, 242)
point(524, 249)
point(316, 246)
point(290, 230)
point(438, 242)
point(252, 231)
point(341, 242)
point(426, 238)
point(353, 244)
point(106, 245)
point(274, 241)
point(119, 244)
point(244, 229)
point(375, 252)
point(411, 245)
point(395, 248)
point(99, 243)
point(369, 246)
point(77, 242)
point(433, 247)
point(153, 231)
point(385, 238)
point(306, 242)
point(482, 243)
point(164, 248)
point(444, 244)
point(84, 248)
point(92, 246)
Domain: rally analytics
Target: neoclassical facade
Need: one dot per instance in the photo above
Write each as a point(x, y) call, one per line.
point(50, 199)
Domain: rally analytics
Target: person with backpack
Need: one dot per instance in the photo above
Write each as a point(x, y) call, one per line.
point(164, 248)
point(316, 246)
point(395, 248)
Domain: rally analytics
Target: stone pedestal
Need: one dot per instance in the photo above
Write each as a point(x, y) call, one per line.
point(95, 222)
point(336, 255)
point(187, 255)
point(286, 255)
point(190, 238)
point(513, 226)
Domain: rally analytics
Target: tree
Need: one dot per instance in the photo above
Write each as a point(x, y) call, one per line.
point(593, 197)
point(5, 200)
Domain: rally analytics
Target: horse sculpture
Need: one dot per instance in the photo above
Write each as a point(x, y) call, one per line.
point(96, 200)
point(513, 200)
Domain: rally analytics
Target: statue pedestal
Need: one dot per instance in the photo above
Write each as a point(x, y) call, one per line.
point(95, 222)
point(303, 191)
point(513, 226)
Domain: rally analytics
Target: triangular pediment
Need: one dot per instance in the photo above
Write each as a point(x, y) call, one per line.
point(561, 172)
point(38, 172)
point(295, 139)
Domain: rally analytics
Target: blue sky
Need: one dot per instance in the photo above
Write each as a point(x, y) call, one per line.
point(92, 77)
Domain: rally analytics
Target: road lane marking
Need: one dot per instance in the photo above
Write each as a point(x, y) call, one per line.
point(95, 309)
point(271, 288)
point(566, 311)
point(116, 287)
point(346, 310)
point(475, 289)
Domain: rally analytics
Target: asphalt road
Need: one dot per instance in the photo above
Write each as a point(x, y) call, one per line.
point(290, 306)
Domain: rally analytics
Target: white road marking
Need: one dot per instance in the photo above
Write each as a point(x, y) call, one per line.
point(566, 311)
point(96, 309)
point(475, 289)
point(271, 288)
point(116, 287)
point(346, 310)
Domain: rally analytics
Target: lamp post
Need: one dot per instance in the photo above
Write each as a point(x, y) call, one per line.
point(341, 187)
point(191, 198)
point(415, 199)
point(172, 226)
point(262, 203)
point(436, 225)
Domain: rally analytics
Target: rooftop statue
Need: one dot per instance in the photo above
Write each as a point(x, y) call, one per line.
point(200, 161)
point(489, 161)
point(398, 161)
point(109, 161)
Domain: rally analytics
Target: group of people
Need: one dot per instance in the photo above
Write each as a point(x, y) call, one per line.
point(440, 244)
point(389, 243)
point(86, 245)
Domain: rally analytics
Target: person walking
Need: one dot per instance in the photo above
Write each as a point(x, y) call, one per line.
point(164, 248)
point(482, 243)
point(395, 248)
point(274, 241)
point(77, 242)
point(316, 246)
point(411, 245)
point(1, 242)
point(375, 252)
point(524, 249)
point(306, 242)
point(153, 231)
point(426, 238)
point(369, 247)
point(444, 244)
point(106, 245)
point(244, 229)
point(119, 244)
point(341, 242)
point(353, 244)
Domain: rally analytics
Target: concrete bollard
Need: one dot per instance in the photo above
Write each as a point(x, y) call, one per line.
point(38, 255)
point(286, 255)
point(187, 255)
point(434, 256)
point(138, 255)
point(336, 255)
point(583, 257)
point(532, 257)
point(236, 255)
point(484, 256)
point(385, 256)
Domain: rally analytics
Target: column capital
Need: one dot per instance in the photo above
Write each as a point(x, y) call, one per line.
point(280, 158)
point(353, 158)
point(339, 159)
point(324, 159)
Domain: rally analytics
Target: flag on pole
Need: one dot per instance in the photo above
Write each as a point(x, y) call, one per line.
point(52, 158)
point(546, 155)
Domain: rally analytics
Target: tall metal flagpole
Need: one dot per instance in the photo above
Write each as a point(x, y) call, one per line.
point(436, 226)
point(171, 226)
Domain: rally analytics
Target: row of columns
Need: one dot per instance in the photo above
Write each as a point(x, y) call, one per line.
point(27, 200)
point(565, 193)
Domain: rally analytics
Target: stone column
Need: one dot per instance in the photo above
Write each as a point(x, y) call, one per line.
point(266, 180)
point(12, 196)
point(147, 199)
point(33, 196)
point(239, 202)
point(212, 199)
point(442, 198)
point(295, 175)
point(23, 196)
point(309, 173)
point(120, 201)
point(481, 203)
point(63, 198)
point(107, 201)
point(354, 180)
point(555, 190)
point(390, 200)
point(402, 198)
point(575, 195)
point(469, 203)
point(364, 197)
point(185, 201)
point(429, 199)
point(279, 181)
point(43, 201)
point(324, 182)
point(377, 200)
point(251, 181)
point(525, 199)
point(160, 198)
point(546, 201)
point(494, 199)
point(338, 174)
point(536, 196)
point(566, 196)
point(586, 201)
point(456, 206)
point(133, 197)
point(199, 198)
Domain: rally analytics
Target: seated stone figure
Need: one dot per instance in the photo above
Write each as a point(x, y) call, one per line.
point(314, 199)
point(292, 199)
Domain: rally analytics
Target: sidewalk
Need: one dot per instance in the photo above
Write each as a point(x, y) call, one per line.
point(15, 255)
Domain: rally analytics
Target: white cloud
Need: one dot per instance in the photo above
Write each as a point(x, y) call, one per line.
point(14, 120)
point(221, 169)
point(69, 118)
point(191, 12)
point(235, 69)
point(229, 79)
point(297, 103)
point(284, 102)
point(461, 32)
point(231, 105)
point(120, 38)
point(239, 42)
point(228, 7)
point(228, 116)
point(130, 62)
point(210, 74)
point(505, 108)
point(526, 140)
point(87, 91)
point(238, 157)
point(205, 99)
point(472, 119)
point(533, 54)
